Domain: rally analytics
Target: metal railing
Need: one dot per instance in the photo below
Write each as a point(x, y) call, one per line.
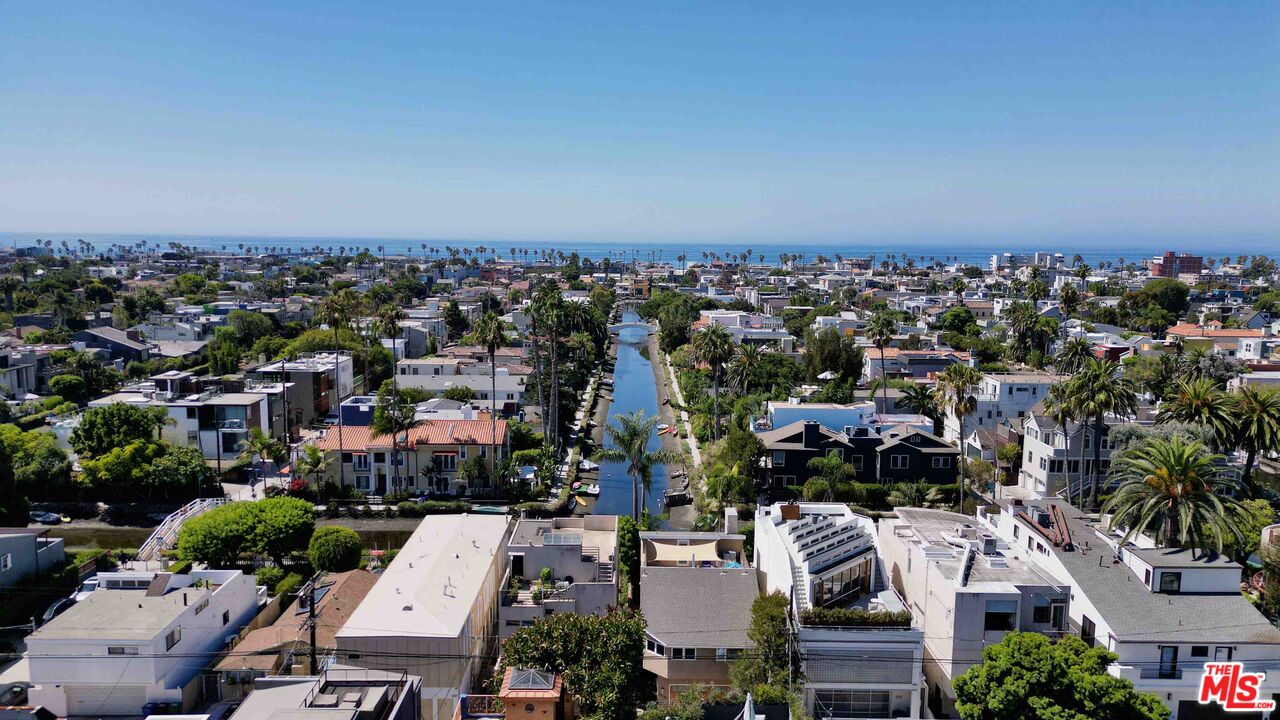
point(166, 533)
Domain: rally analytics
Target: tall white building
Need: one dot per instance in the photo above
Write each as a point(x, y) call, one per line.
point(1000, 396)
point(864, 662)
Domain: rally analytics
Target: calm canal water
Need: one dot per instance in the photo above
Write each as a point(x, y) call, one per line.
point(633, 389)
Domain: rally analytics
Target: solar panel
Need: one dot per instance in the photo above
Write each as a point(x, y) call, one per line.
point(524, 679)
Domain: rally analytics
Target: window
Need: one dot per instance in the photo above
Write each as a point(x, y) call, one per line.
point(899, 462)
point(174, 636)
point(942, 462)
point(1199, 651)
point(1087, 629)
point(362, 461)
point(1168, 661)
point(850, 704)
point(1040, 615)
point(1001, 615)
point(654, 647)
point(779, 458)
point(448, 462)
point(1170, 582)
point(226, 616)
point(191, 413)
point(1044, 462)
point(683, 654)
point(1222, 653)
point(856, 462)
point(202, 606)
point(346, 458)
point(122, 650)
point(726, 654)
point(362, 482)
point(379, 457)
point(6, 561)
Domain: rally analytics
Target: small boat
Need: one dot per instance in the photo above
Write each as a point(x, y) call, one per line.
point(676, 498)
point(663, 427)
point(489, 510)
point(587, 465)
point(592, 490)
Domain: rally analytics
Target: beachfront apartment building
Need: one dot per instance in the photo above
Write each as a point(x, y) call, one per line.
point(140, 641)
point(580, 556)
point(1000, 396)
point(433, 612)
point(696, 592)
point(968, 590)
point(826, 559)
point(1164, 611)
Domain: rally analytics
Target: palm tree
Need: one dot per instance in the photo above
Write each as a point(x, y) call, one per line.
point(548, 306)
point(261, 446)
point(630, 436)
point(956, 386)
point(1096, 391)
point(880, 330)
point(312, 463)
point(1200, 402)
point(713, 346)
point(922, 400)
point(741, 371)
point(337, 310)
point(1060, 407)
point(1257, 424)
point(491, 334)
point(1174, 491)
point(388, 325)
point(1073, 355)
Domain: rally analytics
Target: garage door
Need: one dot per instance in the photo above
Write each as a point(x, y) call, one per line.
point(96, 700)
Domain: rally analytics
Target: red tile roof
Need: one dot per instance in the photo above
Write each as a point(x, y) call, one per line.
point(430, 432)
point(1192, 330)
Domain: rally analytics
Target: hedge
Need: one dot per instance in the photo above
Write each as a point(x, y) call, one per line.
point(842, 617)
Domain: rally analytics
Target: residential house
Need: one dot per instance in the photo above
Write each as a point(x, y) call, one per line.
point(433, 611)
point(1213, 336)
point(696, 592)
point(283, 647)
point(1054, 455)
point(123, 345)
point(1164, 611)
point(317, 382)
point(27, 553)
point(788, 450)
point(439, 374)
point(968, 590)
point(824, 558)
point(909, 454)
point(340, 691)
point(834, 416)
point(430, 457)
point(581, 556)
point(899, 363)
point(137, 643)
point(999, 396)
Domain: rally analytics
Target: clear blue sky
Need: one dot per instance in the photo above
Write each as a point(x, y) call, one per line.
point(679, 121)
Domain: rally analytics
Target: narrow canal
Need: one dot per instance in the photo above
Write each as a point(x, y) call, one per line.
point(634, 388)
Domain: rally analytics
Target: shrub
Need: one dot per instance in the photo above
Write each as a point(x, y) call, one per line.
point(269, 577)
point(182, 567)
point(289, 584)
point(335, 549)
point(410, 510)
point(842, 617)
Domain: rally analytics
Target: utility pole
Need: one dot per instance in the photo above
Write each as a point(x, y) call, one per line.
point(308, 595)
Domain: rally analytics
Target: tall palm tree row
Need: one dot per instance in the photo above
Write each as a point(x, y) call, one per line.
point(880, 329)
point(1176, 492)
point(491, 335)
point(548, 307)
point(1096, 391)
point(388, 323)
point(630, 435)
point(713, 346)
point(955, 386)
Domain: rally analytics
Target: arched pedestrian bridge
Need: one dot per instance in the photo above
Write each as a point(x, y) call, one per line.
point(618, 327)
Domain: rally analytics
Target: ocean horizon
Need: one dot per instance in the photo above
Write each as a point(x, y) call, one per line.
point(968, 251)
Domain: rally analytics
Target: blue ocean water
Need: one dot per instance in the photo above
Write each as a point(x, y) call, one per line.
point(970, 251)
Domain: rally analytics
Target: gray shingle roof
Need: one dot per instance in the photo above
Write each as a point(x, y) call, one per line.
point(1136, 614)
point(698, 607)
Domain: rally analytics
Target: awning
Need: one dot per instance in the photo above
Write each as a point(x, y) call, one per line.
point(695, 551)
point(442, 453)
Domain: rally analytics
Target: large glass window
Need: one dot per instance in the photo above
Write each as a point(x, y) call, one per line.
point(1001, 615)
point(842, 586)
point(851, 704)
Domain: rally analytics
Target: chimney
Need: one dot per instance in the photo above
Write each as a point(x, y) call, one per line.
point(133, 335)
point(790, 511)
point(812, 434)
point(731, 520)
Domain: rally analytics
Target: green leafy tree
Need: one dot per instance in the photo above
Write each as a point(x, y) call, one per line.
point(460, 393)
point(247, 327)
point(71, 387)
point(770, 661)
point(1176, 493)
point(714, 346)
point(335, 549)
point(116, 425)
point(1027, 676)
point(41, 467)
point(180, 468)
point(13, 504)
point(598, 657)
point(629, 556)
point(223, 352)
point(281, 525)
point(832, 351)
point(216, 537)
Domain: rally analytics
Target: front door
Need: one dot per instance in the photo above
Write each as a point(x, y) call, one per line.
point(1168, 661)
